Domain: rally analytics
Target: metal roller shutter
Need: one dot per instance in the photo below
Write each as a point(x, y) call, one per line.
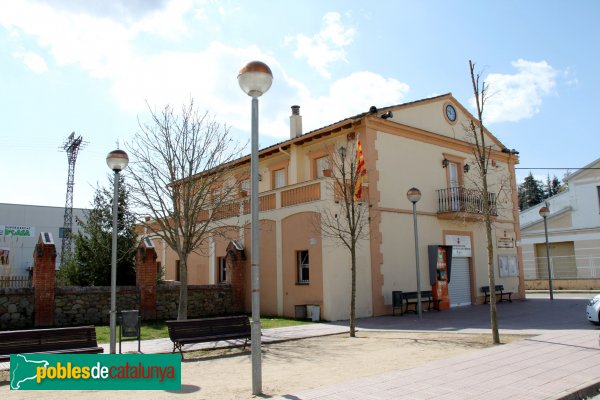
point(459, 288)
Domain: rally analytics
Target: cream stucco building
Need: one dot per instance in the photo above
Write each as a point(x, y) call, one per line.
point(573, 234)
point(419, 144)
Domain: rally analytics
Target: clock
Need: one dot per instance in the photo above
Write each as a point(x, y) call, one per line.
point(450, 113)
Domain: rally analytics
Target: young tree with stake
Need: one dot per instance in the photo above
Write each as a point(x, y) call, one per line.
point(346, 221)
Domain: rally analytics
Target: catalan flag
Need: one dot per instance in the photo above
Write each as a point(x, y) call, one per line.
point(360, 173)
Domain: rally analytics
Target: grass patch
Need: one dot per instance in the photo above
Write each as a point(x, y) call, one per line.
point(275, 322)
point(149, 330)
point(158, 329)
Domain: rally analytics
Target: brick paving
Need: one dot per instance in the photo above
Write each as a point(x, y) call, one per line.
point(549, 366)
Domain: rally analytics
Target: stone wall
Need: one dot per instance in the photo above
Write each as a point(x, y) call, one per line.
point(16, 308)
point(90, 305)
point(203, 301)
point(48, 305)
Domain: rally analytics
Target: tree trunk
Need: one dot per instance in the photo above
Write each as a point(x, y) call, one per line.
point(490, 252)
point(183, 290)
point(353, 296)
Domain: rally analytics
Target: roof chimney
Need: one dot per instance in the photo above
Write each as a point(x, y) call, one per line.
point(295, 123)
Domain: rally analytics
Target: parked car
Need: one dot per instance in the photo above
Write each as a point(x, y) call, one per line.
point(593, 310)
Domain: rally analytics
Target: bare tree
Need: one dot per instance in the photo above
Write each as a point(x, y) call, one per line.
point(180, 170)
point(346, 220)
point(482, 153)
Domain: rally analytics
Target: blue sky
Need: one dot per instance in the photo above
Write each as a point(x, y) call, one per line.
point(90, 66)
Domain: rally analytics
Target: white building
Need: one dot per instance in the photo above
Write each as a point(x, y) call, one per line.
point(573, 230)
point(20, 226)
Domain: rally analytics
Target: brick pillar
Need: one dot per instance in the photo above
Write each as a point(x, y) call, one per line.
point(236, 262)
point(44, 277)
point(145, 277)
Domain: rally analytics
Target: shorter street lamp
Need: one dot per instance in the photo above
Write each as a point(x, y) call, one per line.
point(544, 212)
point(414, 195)
point(116, 160)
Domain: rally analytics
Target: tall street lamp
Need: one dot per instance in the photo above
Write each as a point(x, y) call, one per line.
point(544, 212)
point(414, 195)
point(116, 160)
point(255, 79)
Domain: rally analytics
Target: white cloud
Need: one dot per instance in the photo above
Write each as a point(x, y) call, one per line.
point(105, 48)
point(519, 96)
point(325, 47)
point(33, 61)
point(352, 95)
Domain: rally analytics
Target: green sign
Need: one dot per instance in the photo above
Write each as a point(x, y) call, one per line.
point(95, 372)
point(16, 230)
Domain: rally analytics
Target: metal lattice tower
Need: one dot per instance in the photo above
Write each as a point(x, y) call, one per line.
point(71, 146)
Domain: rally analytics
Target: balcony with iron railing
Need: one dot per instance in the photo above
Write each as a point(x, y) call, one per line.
point(462, 203)
point(287, 196)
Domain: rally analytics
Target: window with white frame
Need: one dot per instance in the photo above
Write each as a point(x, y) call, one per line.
point(279, 178)
point(303, 266)
point(322, 164)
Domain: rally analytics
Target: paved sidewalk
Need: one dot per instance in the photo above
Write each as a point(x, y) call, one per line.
point(554, 365)
point(272, 335)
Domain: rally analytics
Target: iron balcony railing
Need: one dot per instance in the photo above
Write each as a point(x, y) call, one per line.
point(459, 199)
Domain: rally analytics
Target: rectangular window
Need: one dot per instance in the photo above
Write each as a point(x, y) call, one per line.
point(322, 164)
point(177, 275)
point(303, 266)
point(63, 231)
point(245, 187)
point(222, 277)
point(279, 180)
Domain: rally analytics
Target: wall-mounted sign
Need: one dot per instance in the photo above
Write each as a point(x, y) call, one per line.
point(17, 231)
point(461, 245)
point(505, 239)
point(508, 266)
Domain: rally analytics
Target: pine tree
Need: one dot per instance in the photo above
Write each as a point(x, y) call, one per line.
point(557, 187)
point(530, 192)
point(91, 263)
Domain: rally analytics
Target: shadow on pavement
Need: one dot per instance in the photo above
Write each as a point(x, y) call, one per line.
point(529, 314)
point(185, 389)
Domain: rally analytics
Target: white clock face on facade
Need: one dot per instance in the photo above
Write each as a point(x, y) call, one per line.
point(451, 113)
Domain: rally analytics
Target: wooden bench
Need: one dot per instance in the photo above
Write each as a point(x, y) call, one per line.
point(411, 299)
point(500, 293)
point(208, 330)
point(75, 340)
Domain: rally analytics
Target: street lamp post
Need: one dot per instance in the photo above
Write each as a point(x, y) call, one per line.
point(544, 212)
point(255, 79)
point(414, 195)
point(116, 160)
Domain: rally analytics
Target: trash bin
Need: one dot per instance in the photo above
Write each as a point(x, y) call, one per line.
point(316, 313)
point(129, 326)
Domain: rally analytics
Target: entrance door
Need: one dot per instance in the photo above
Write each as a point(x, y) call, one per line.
point(459, 289)
point(454, 185)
